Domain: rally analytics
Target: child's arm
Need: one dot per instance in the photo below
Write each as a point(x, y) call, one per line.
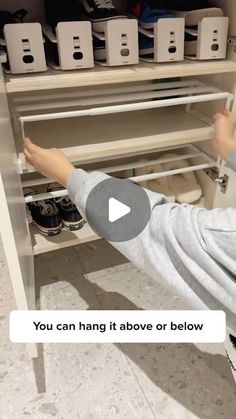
point(224, 140)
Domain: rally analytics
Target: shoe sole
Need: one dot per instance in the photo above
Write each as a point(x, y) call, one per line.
point(47, 231)
point(73, 226)
point(146, 51)
point(193, 17)
point(147, 25)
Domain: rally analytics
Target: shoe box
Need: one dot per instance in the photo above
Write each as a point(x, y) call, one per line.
point(167, 37)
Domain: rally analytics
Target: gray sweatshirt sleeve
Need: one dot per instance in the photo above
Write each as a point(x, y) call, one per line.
point(191, 250)
point(231, 163)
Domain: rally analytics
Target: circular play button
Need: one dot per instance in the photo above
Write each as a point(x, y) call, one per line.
point(117, 210)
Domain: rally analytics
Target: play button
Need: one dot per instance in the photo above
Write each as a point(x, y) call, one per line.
point(118, 210)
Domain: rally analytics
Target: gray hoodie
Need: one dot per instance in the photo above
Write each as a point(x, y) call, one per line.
point(189, 249)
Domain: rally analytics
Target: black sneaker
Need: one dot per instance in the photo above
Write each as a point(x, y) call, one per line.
point(8, 17)
point(99, 11)
point(70, 216)
point(99, 50)
point(193, 10)
point(45, 215)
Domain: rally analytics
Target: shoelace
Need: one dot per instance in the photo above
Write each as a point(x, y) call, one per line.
point(104, 4)
point(65, 202)
point(47, 208)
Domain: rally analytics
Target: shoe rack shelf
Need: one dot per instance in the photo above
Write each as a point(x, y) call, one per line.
point(118, 109)
point(53, 79)
point(144, 136)
point(43, 244)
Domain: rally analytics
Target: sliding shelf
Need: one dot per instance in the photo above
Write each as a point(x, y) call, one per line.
point(145, 131)
point(53, 79)
point(113, 123)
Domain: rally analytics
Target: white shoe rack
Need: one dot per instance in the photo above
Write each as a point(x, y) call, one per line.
point(110, 154)
point(120, 40)
point(25, 47)
point(168, 40)
point(211, 39)
point(72, 45)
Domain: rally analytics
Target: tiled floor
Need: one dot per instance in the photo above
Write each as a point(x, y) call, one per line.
point(94, 381)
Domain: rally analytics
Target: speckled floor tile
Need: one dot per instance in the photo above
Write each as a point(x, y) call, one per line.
point(125, 287)
point(82, 381)
point(187, 381)
point(88, 381)
point(98, 255)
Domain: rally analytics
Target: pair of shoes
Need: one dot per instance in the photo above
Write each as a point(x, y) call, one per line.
point(183, 188)
point(97, 11)
point(8, 17)
point(51, 215)
point(148, 12)
point(193, 11)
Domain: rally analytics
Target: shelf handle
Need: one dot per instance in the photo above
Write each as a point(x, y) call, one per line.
point(128, 107)
point(136, 179)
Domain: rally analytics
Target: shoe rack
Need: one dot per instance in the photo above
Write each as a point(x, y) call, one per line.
point(137, 112)
point(72, 45)
point(211, 39)
point(25, 49)
point(120, 38)
point(168, 40)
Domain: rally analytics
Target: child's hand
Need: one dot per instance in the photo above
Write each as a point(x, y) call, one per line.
point(224, 141)
point(51, 162)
